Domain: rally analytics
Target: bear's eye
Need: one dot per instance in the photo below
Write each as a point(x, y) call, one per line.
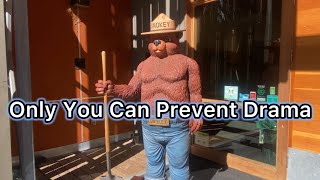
point(167, 39)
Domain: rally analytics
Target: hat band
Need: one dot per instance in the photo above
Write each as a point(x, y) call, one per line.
point(157, 30)
point(165, 25)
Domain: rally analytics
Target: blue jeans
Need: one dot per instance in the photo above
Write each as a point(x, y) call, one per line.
point(175, 140)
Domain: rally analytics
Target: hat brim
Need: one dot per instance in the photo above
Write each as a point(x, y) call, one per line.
point(162, 32)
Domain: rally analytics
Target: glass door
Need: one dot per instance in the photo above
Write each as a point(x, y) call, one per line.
point(237, 46)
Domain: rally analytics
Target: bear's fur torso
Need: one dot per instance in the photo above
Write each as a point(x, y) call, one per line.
point(166, 75)
point(165, 78)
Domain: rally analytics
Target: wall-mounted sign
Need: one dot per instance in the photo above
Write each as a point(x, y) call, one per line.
point(231, 93)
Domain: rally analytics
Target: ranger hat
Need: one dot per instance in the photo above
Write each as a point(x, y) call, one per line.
point(162, 24)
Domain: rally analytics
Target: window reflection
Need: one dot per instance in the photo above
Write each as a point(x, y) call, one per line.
point(237, 45)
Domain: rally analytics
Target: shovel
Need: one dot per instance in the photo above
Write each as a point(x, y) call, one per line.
point(108, 176)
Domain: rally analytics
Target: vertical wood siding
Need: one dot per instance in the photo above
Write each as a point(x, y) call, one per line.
point(306, 75)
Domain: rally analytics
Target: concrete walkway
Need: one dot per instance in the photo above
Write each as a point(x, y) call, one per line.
point(127, 160)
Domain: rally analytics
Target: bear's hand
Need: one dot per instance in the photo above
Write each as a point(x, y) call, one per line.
point(195, 125)
point(104, 87)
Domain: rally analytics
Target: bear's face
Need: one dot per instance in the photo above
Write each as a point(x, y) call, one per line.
point(163, 45)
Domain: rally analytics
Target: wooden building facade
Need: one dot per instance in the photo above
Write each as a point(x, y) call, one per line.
point(61, 34)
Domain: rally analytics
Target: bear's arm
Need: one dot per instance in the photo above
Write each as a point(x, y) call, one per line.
point(132, 90)
point(194, 83)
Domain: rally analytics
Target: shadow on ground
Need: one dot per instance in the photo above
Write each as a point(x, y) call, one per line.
point(90, 164)
point(202, 169)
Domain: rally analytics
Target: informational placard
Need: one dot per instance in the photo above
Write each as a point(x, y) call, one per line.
point(253, 95)
point(261, 93)
point(272, 90)
point(231, 93)
point(272, 98)
point(243, 97)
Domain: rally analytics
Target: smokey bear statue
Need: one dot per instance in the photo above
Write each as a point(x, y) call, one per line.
point(165, 75)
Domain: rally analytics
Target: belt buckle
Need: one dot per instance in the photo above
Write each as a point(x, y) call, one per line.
point(161, 122)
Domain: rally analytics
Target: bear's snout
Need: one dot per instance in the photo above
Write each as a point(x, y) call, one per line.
point(158, 45)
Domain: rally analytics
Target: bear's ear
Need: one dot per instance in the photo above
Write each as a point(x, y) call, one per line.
point(179, 35)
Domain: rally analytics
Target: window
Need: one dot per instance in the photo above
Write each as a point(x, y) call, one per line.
point(237, 44)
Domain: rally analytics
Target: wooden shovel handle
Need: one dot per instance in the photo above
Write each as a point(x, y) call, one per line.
point(104, 69)
point(105, 100)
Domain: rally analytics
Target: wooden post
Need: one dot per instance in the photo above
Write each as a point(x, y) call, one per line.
point(24, 128)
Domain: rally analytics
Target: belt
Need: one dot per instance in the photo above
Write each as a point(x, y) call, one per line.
point(162, 122)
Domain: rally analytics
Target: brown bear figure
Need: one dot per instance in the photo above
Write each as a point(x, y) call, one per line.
point(165, 75)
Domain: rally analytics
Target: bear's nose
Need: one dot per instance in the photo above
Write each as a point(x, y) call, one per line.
point(156, 42)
